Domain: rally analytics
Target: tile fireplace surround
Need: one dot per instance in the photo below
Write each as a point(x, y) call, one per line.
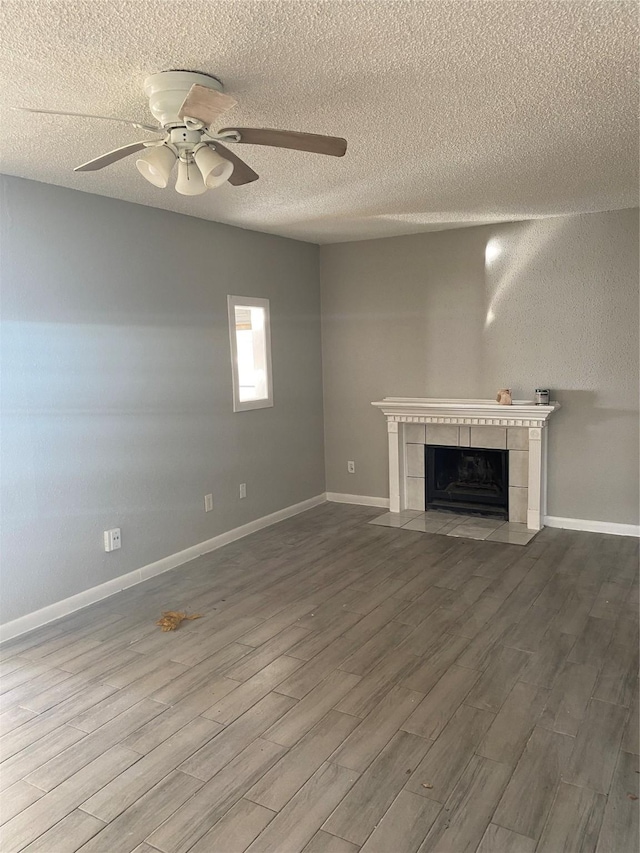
point(520, 428)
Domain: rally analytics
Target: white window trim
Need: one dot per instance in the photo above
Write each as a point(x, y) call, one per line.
point(253, 302)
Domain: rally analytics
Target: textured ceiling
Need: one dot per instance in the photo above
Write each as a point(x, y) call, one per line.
point(456, 111)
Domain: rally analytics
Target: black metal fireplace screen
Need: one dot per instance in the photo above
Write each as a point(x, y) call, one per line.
point(472, 480)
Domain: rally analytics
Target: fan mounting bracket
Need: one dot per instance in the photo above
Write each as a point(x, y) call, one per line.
point(167, 90)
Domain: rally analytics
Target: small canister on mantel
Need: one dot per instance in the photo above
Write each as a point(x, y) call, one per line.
point(543, 396)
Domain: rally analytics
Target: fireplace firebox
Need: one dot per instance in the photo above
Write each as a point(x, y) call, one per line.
point(473, 480)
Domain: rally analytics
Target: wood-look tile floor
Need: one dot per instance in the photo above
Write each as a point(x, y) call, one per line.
point(348, 687)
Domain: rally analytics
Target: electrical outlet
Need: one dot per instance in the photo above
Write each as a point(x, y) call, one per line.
point(243, 490)
point(112, 539)
point(351, 467)
point(208, 503)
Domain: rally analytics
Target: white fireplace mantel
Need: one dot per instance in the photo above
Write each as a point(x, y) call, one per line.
point(526, 420)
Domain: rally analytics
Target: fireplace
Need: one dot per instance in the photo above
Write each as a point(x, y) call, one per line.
point(520, 430)
point(473, 480)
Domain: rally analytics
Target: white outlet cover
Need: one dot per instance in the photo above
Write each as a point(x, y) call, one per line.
point(208, 503)
point(112, 539)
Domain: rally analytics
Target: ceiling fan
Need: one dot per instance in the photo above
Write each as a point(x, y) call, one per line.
point(186, 104)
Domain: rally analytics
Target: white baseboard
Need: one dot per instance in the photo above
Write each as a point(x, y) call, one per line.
point(89, 596)
point(592, 526)
point(362, 500)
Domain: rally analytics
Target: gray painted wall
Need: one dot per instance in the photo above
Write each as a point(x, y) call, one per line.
point(117, 400)
point(550, 303)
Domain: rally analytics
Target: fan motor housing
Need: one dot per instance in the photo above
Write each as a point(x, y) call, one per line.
point(167, 90)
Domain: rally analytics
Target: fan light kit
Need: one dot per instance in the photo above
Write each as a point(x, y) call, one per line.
point(185, 105)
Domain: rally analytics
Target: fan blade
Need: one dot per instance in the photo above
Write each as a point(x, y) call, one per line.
point(205, 104)
point(335, 146)
point(111, 157)
point(137, 124)
point(242, 174)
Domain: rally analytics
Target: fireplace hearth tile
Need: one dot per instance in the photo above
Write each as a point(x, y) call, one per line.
point(482, 523)
point(474, 530)
point(448, 515)
point(512, 534)
point(459, 526)
point(427, 523)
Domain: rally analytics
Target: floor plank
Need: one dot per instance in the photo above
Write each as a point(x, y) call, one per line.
point(122, 792)
point(116, 703)
point(233, 833)
point(277, 787)
point(574, 821)
point(461, 824)
point(376, 730)
point(372, 688)
point(43, 724)
point(497, 839)
point(404, 825)
point(545, 664)
point(235, 703)
point(569, 698)
point(69, 761)
point(312, 708)
point(620, 830)
point(68, 835)
point(437, 708)
point(129, 829)
point(631, 738)
point(304, 814)
point(618, 675)
point(512, 727)
point(530, 792)
point(214, 799)
point(438, 772)
point(429, 669)
point(592, 643)
point(357, 815)
point(265, 653)
point(596, 749)
point(171, 720)
point(35, 756)
point(529, 631)
point(16, 798)
point(231, 741)
point(323, 842)
point(14, 717)
point(52, 807)
point(495, 683)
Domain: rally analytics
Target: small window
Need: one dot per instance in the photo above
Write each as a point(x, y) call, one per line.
point(250, 336)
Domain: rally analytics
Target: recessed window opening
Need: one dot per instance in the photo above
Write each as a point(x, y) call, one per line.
point(249, 331)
